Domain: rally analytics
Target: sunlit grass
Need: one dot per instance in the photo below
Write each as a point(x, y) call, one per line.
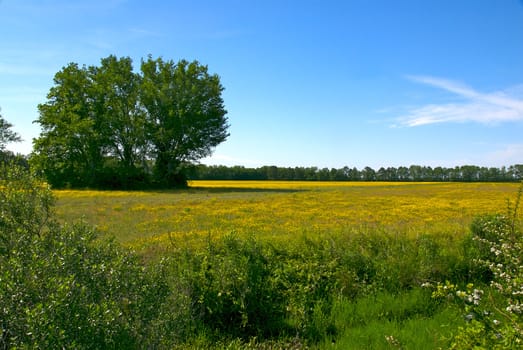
point(279, 210)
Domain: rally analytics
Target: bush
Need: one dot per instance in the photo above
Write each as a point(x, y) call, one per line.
point(229, 287)
point(494, 313)
point(62, 288)
point(243, 288)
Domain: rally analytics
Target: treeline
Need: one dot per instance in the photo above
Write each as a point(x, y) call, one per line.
point(465, 173)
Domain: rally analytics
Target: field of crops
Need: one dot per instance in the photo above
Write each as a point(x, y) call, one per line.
point(282, 210)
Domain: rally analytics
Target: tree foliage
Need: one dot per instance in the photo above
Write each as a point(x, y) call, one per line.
point(109, 126)
point(7, 135)
point(69, 146)
point(185, 113)
point(465, 173)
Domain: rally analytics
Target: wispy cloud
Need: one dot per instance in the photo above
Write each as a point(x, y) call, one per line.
point(475, 106)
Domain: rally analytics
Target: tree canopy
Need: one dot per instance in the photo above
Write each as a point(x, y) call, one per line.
point(109, 126)
point(7, 135)
point(464, 173)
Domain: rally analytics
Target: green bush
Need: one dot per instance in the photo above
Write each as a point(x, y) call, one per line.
point(494, 312)
point(243, 288)
point(62, 288)
point(229, 287)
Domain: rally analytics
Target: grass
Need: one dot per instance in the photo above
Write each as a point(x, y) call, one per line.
point(280, 210)
point(408, 320)
point(345, 259)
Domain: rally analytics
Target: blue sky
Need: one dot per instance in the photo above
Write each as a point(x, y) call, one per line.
point(307, 83)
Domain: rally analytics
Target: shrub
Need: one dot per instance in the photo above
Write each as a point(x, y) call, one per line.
point(62, 288)
point(243, 288)
point(307, 274)
point(494, 313)
point(229, 288)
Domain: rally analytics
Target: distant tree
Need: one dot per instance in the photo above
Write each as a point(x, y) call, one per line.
point(427, 173)
point(382, 174)
point(311, 173)
point(503, 176)
point(439, 174)
point(415, 173)
point(470, 173)
point(392, 173)
point(337, 175)
point(419, 173)
point(403, 174)
point(352, 174)
point(368, 174)
point(7, 135)
point(516, 171)
point(323, 174)
point(299, 173)
point(271, 172)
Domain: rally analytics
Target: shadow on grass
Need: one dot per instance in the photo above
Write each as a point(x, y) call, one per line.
point(197, 189)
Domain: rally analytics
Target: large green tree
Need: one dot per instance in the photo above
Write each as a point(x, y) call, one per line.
point(185, 114)
point(108, 125)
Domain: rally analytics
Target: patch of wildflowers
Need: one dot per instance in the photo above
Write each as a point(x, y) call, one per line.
point(500, 244)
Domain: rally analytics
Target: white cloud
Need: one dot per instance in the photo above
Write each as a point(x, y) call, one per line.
point(485, 108)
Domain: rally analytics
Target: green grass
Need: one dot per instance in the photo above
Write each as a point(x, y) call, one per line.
point(274, 265)
point(408, 320)
point(283, 210)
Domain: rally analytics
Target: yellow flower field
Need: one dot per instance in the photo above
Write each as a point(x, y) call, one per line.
point(280, 210)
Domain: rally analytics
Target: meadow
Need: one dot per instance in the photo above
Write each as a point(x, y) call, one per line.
point(281, 210)
point(295, 265)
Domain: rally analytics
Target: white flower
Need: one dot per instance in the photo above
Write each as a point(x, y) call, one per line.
point(514, 308)
point(461, 294)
